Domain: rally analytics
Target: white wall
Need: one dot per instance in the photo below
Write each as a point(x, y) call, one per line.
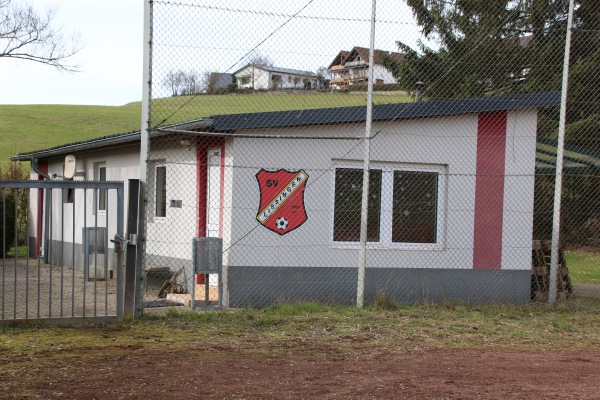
point(380, 72)
point(121, 164)
point(263, 79)
point(521, 127)
point(448, 141)
point(172, 235)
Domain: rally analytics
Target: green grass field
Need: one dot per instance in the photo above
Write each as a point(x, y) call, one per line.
point(569, 325)
point(25, 128)
point(584, 266)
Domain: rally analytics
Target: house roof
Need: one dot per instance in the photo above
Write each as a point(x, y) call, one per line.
point(343, 56)
point(103, 141)
point(381, 112)
point(288, 71)
point(363, 52)
point(83, 145)
point(384, 111)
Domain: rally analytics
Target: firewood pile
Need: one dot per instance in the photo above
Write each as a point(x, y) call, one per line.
point(540, 272)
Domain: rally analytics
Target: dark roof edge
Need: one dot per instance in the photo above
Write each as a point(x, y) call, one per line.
point(110, 140)
point(384, 112)
point(277, 119)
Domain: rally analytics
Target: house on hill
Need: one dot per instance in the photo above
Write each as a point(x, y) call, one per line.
point(265, 77)
point(452, 191)
point(352, 67)
point(218, 82)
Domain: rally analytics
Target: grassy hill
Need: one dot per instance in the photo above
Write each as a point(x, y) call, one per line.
point(30, 127)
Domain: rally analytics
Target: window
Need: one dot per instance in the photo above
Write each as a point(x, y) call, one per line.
point(414, 207)
point(244, 80)
point(348, 198)
point(405, 206)
point(161, 191)
point(102, 193)
point(68, 196)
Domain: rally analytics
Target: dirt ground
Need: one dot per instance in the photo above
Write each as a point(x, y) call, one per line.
point(208, 373)
point(29, 289)
point(161, 371)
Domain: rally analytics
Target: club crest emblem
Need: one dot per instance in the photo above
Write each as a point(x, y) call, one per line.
point(281, 208)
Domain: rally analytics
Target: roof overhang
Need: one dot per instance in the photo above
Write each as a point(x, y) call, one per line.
point(383, 112)
point(118, 139)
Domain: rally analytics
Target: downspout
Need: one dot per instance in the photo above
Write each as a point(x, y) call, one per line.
point(34, 166)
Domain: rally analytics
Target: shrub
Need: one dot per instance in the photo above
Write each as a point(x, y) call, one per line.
point(7, 220)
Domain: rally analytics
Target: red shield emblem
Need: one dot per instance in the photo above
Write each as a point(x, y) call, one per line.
point(281, 206)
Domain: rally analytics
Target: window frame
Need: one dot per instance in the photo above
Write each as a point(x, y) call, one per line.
point(156, 216)
point(100, 192)
point(386, 206)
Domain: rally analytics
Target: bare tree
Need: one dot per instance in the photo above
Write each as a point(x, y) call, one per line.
point(257, 58)
point(28, 35)
point(174, 80)
point(184, 83)
point(322, 77)
point(211, 82)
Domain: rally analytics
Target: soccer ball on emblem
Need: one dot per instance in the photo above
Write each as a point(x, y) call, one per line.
point(281, 223)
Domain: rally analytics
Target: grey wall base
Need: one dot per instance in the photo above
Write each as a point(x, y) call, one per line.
point(264, 286)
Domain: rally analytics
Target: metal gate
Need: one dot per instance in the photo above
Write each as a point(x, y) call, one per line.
point(61, 248)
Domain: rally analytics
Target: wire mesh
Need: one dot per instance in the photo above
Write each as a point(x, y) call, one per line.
point(257, 136)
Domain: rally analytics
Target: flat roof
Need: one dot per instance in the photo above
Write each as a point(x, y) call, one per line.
point(336, 115)
point(382, 112)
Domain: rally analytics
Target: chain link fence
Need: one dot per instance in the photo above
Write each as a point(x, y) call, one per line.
point(263, 117)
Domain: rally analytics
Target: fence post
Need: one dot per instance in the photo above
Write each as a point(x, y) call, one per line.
point(144, 143)
point(559, 165)
point(131, 236)
point(362, 255)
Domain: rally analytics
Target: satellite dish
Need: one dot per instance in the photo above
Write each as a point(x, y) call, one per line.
point(69, 167)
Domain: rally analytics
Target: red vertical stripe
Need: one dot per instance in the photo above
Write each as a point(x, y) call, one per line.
point(489, 190)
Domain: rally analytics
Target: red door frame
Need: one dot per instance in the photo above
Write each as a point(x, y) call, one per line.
point(42, 166)
point(202, 183)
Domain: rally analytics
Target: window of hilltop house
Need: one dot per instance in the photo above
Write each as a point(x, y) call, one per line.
point(405, 208)
point(277, 81)
point(161, 191)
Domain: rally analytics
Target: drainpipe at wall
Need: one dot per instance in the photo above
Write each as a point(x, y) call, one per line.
point(34, 166)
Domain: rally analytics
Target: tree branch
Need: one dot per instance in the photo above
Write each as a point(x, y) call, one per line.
point(27, 35)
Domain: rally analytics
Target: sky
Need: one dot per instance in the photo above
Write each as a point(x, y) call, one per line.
point(203, 37)
point(111, 60)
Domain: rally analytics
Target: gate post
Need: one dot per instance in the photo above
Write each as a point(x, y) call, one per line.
point(131, 255)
